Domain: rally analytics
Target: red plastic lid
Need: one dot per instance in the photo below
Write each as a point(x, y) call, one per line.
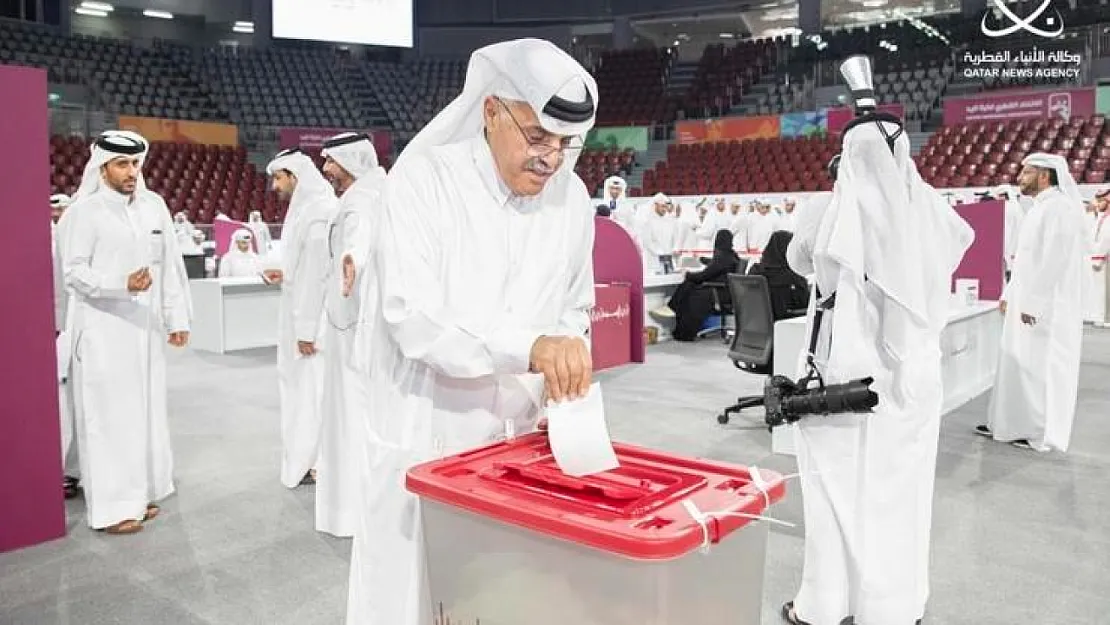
point(635, 510)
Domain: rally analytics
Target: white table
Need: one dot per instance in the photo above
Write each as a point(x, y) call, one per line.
point(969, 347)
point(231, 314)
point(658, 288)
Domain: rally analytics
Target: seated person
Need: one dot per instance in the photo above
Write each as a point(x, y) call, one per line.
point(691, 304)
point(240, 261)
point(789, 291)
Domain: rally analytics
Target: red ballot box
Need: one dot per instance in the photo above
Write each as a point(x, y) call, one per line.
point(663, 539)
point(610, 327)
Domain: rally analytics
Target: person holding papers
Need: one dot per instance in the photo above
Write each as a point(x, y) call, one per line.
point(485, 283)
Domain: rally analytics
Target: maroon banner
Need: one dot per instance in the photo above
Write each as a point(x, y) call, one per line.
point(311, 139)
point(610, 339)
point(1064, 103)
point(32, 510)
point(984, 259)
point(838, 118)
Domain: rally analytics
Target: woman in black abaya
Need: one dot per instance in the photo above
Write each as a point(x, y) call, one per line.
point(789, 291)
point(692, 302)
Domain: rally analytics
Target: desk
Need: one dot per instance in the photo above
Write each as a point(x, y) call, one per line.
point(658, 288)
point(969, 348)
point(231, 314)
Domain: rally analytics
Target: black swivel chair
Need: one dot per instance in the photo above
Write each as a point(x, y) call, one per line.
point(752, 345)
point(719, 307)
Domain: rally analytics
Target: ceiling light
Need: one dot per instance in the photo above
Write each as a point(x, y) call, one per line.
point(726, 35)
point(90, 12)
point(98, 6)
point(242, 24)
point(246, 30)
point(162, 15)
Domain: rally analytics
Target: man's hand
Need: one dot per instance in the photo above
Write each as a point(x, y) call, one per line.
point(1002, 306)
point(179, 339)
point(273, 276)
point(139, 281)
point(566, 366)
point(1028, 320)
point(348, 275)
point(306, 348)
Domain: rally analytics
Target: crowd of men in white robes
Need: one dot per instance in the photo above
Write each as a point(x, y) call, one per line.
point(440, 307)
point(669, 231)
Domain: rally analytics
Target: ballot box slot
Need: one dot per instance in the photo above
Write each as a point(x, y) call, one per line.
point(632, 490)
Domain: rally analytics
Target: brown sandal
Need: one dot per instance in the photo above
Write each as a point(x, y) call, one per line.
point(130, 526)
point(152, 511)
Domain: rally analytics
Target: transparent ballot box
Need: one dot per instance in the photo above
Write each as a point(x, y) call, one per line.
point(660, 540)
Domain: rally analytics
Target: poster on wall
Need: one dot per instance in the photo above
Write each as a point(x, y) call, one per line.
point(1063, 103)
point(728, 129)
point(180, 130)
point(312, 139)
point(619, 138)
point(807, 124)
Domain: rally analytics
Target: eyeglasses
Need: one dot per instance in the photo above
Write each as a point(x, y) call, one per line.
point(541, 146)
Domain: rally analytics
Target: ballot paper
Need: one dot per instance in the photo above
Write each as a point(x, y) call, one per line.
point(579, 436)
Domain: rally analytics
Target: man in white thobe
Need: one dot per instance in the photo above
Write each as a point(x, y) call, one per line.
point(657, 234)
point(304, 268)
point(886, 246)
point(687, 221)
point(614, 190)
point(261, 232)
point(351, 164)
point(1035, 388)
point(762, 223)
point(122, 263)
point(738, 225)
point(184, 229)
point(240, 261)
point(788, 218)
point(485, 275)
point(1013, 217)
point(714, 219)
point(1096, 293)
point(71, 482)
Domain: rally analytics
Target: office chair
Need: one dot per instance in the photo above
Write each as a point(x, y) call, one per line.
point(728, 318)
point(752, 346)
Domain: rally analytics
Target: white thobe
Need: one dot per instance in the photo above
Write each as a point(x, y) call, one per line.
point(686, 231)
point(346, 382)
point(236, 264)
point(738, 226)
point(470, 277)
point(301, 378)
point(788, 221)
point(64, 349)
point(867, 479)
point(1095, 295)
point(119, 376)
point(760, 229)
point(707, 233)
point(1014, 216)
point(799, 254)
point(1037, 381)
point(658, 240)
point(261, 235)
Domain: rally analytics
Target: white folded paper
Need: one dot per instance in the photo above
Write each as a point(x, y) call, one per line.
point(579, 436)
